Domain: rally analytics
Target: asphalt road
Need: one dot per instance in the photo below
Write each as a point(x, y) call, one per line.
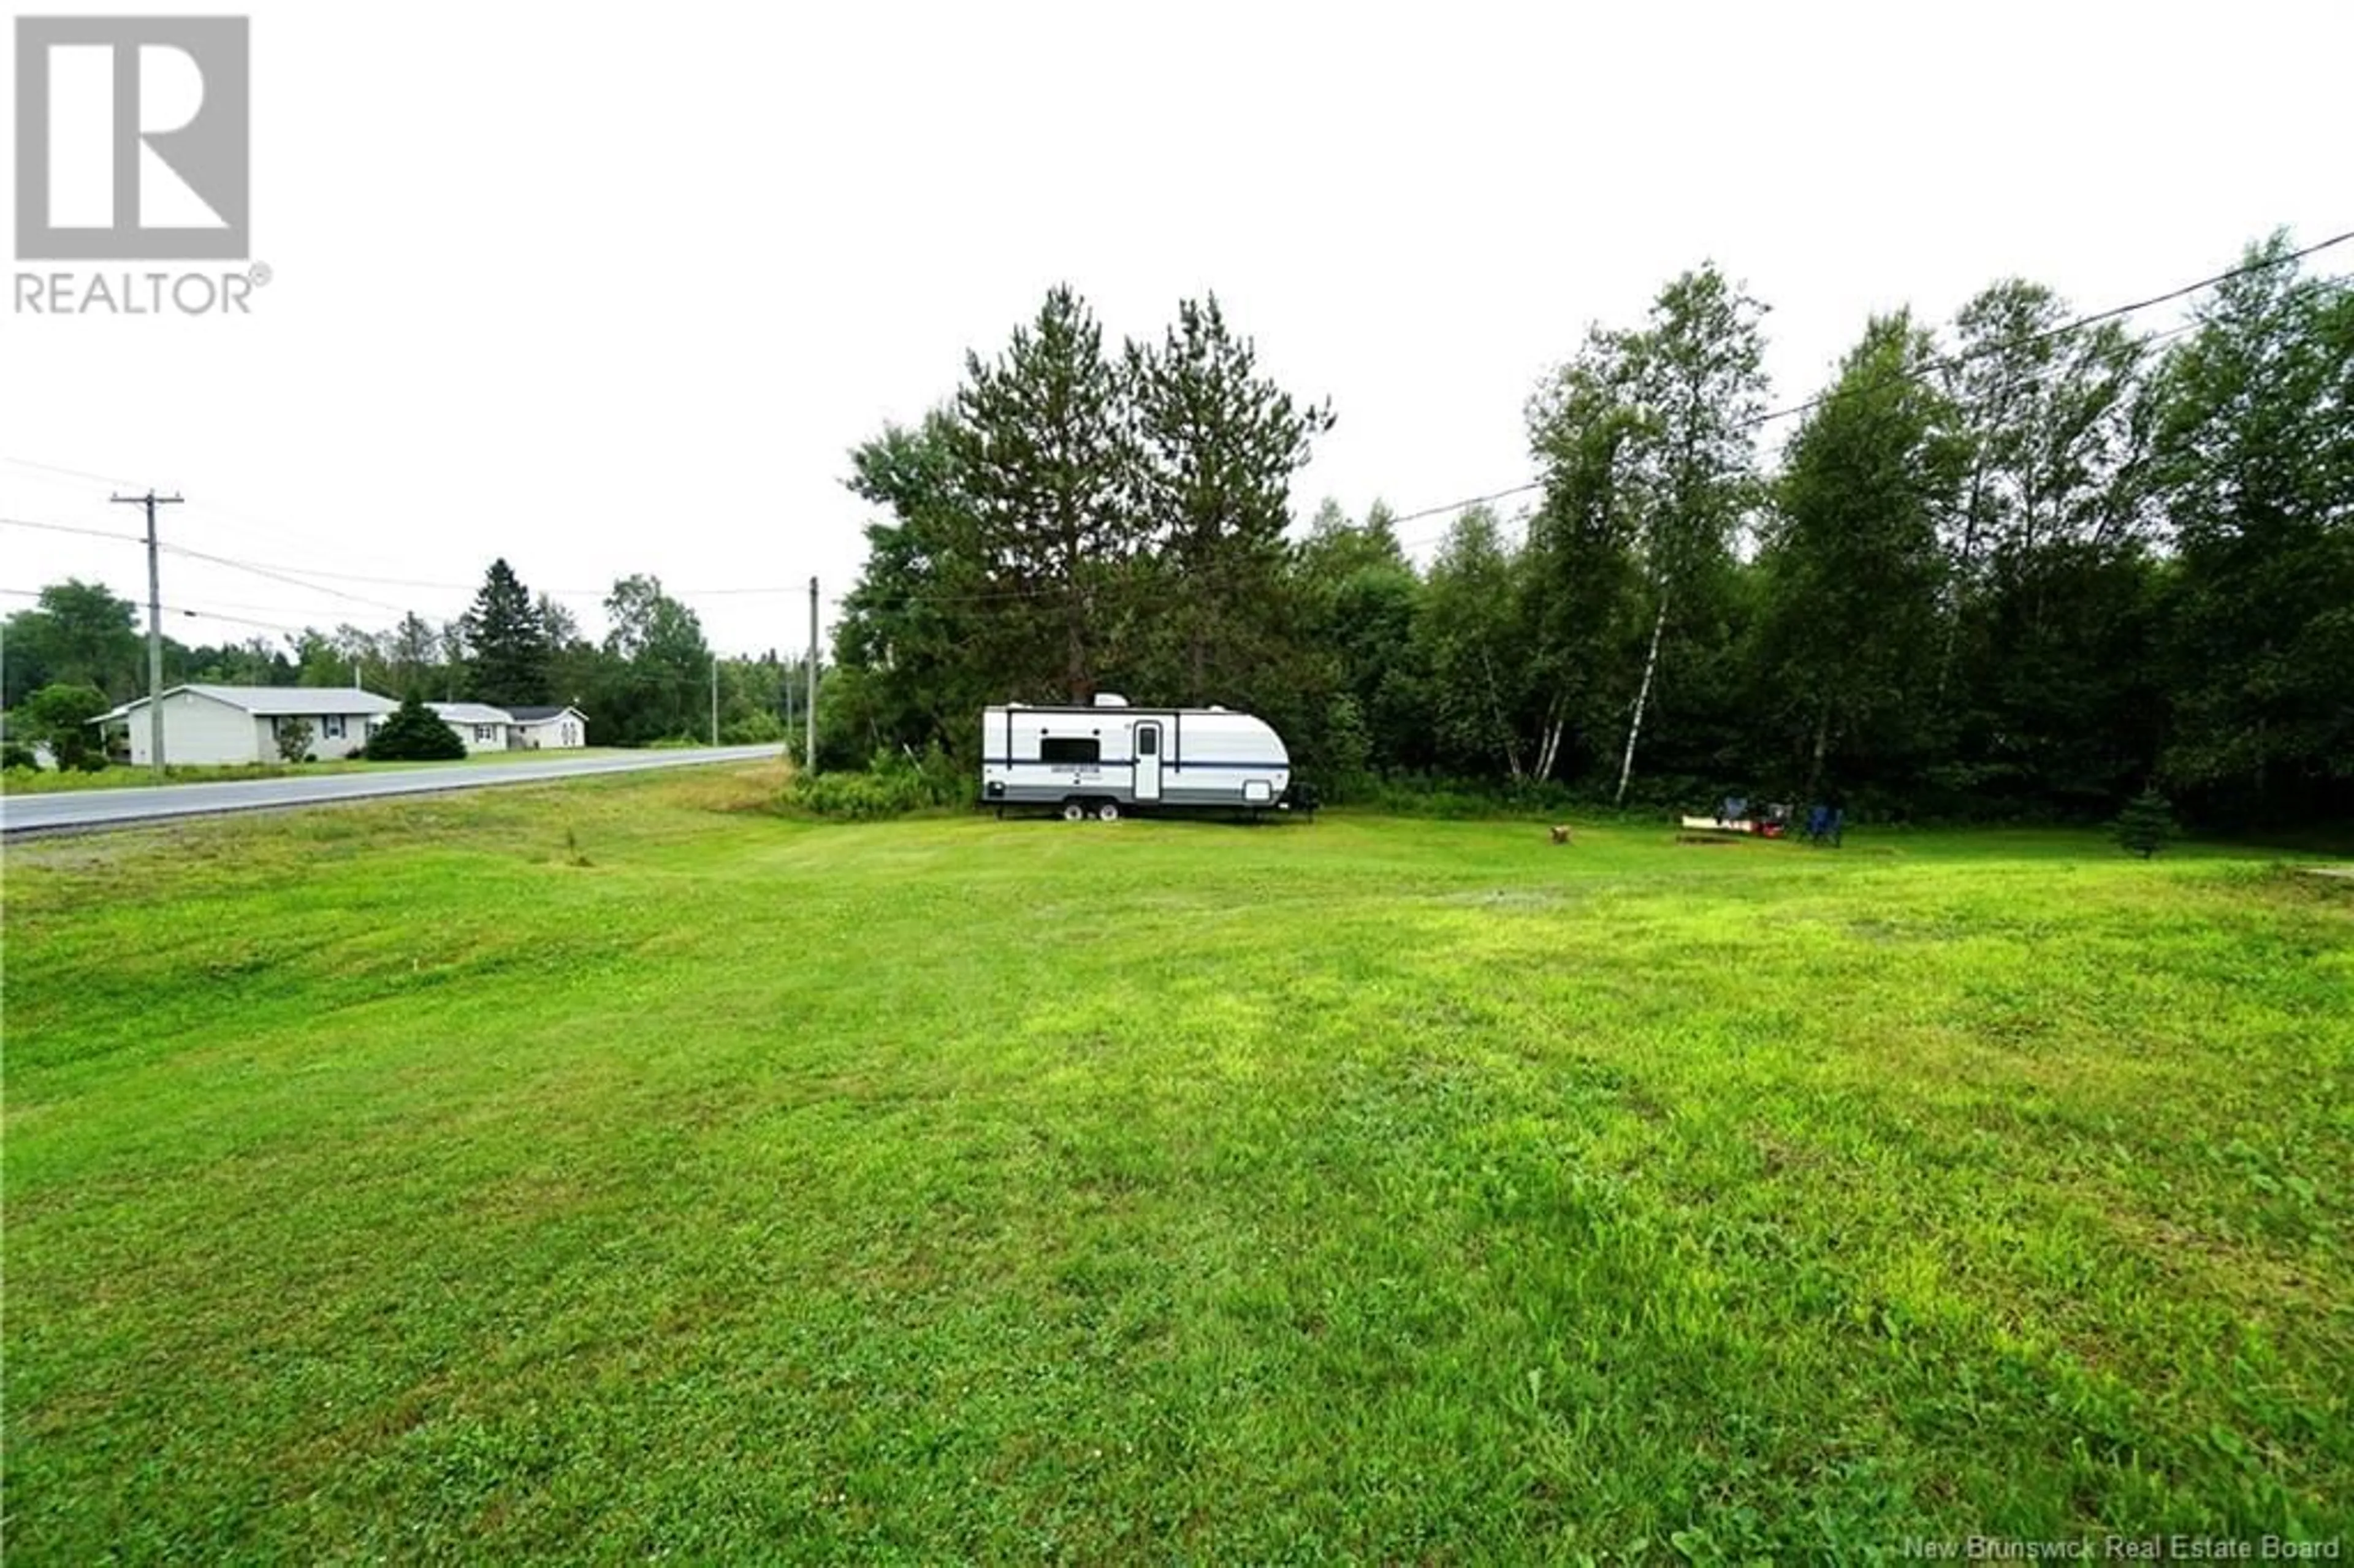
point(83, 810)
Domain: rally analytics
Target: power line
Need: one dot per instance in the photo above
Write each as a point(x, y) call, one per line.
point(109, 479)
point(282, 578)
point(191, 614)
point(1956, 361)
point(1945, 363)
point(69, 528)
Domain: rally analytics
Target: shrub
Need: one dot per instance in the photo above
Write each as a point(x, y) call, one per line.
point(293, 740)
point(892, 784)
point(59, 716)
point(758, 728)
point(14, 754)
point(415, 733)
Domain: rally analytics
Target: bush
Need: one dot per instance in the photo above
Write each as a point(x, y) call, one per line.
point(415, 733)
point(59, 715)
point(892, 784)
point(294, 740)
point(13, 754)
point(758, 728)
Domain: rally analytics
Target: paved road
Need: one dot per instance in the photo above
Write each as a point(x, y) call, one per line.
point(76, 810)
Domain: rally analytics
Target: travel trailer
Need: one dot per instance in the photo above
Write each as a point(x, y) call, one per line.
point(1109, 758)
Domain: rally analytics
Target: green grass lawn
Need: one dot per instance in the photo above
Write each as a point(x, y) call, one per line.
point(122, 776)
point(619, 1169)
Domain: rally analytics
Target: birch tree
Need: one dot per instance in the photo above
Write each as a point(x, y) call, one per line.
point(1701, 386)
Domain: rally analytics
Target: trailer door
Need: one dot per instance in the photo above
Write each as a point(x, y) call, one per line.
point(1148, 761)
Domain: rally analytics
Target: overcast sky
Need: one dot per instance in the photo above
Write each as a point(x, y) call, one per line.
point(608, 288)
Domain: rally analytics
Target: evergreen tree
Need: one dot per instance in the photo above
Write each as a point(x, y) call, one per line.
point(414, 733)
point(1215, 446)
point(510, 658)
point(1041, 456)
point(2145, 823)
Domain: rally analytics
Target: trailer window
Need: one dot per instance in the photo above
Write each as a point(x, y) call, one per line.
point(1148, 741)
point(1070, 748)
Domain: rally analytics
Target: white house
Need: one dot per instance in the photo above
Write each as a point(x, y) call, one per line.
point(482, 726)
point(209, 724)
point(547, 729)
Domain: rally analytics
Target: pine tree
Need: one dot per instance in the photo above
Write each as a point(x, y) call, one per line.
point(2145, 823)
point(510, 644)
point(1038, 444)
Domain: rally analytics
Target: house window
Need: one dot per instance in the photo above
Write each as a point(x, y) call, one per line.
point(331, 727)
point(482, 732)
point(1069, 748)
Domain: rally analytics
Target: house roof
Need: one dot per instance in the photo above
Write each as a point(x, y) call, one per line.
point(542, 715)
point(470, 712)
point(271, 702)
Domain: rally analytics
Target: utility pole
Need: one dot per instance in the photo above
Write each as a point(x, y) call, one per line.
point(715, 699)
point(155, 627)
point(809, 756)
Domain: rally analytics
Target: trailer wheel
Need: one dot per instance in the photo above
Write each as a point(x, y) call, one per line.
point(1074, 810)
point(1109, 811)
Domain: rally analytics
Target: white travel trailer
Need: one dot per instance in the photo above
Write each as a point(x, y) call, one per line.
point(1102, 760)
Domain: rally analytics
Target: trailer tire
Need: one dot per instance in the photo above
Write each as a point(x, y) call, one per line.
point(1074, 810)
point(1109, 811)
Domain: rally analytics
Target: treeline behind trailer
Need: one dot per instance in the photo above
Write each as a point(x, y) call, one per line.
point(1110, 757)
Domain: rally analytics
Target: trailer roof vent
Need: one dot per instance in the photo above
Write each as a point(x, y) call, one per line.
point(1110, 699)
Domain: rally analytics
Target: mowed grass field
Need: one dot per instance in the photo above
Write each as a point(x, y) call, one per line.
point(620, 1170)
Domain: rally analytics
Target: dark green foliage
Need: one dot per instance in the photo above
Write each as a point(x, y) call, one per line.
point(654, 681)
point(510, 643)
point(415, 733)
point(59, 716)
point(1214, 447)
point(2145, 823)
point(76, 634)
point(15, 754)
point(1077, 521)
point(1854, 567)
point(1349, 767)
point(1041, 460)
point(2010, 571)
point(2252, 457)
point(892, 784)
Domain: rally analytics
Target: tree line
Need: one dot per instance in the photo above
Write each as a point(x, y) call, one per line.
point(81, 649)
point(2016, 565)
